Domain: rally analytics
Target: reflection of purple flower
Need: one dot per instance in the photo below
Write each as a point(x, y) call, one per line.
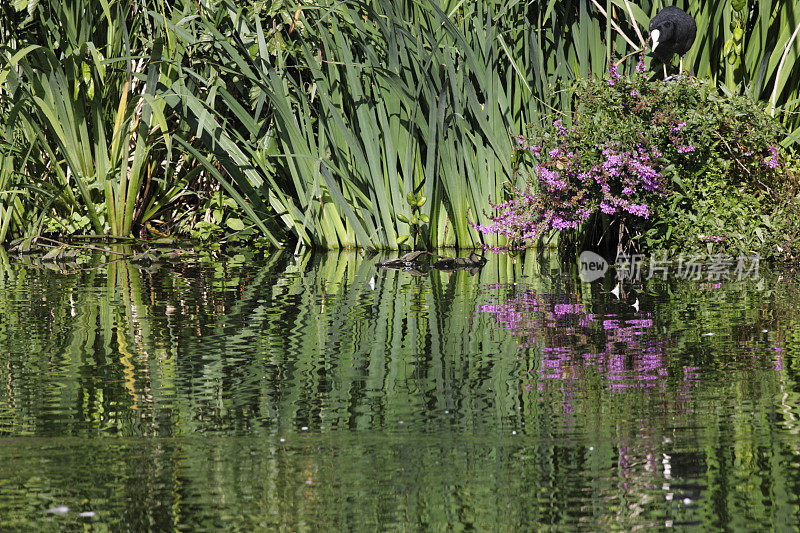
point(559, 325)
point(778, 356)
point(567, 309)
point(574, 347)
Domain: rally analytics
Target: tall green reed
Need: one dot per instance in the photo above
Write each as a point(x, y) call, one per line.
point(323, 128)
point(383, 101)
point(81, 89)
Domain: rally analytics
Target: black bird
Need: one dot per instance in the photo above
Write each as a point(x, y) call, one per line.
point(672, 31)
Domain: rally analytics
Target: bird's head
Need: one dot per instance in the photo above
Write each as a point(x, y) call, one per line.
point(661, 33)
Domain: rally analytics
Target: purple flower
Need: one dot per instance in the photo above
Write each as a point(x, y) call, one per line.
point(640, 66)
point(552, 179)
point(639, 210)
point(614, 76)
point(678, 127)
point(561, 224)
point(772, 161)
point(607, 208)
point(613, 163)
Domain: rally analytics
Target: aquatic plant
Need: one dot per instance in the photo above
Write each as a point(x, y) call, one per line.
point(317, 120)
point(86, 143)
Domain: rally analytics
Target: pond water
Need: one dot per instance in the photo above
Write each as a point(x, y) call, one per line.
point(322, 393)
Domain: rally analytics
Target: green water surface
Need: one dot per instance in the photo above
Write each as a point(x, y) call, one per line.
point(321, 393)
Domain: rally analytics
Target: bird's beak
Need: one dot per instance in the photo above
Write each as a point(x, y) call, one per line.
point(655, 35)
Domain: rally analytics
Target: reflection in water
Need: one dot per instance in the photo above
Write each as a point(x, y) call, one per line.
point(681, 387)
point(320, 392)
point(574, 343)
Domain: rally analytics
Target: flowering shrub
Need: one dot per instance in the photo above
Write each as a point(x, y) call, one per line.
point(646, 157)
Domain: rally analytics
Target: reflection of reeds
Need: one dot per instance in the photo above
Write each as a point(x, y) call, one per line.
point(318, 340)
point(387, 370)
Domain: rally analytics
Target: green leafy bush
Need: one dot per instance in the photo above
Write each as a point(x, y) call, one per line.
point(650, 166)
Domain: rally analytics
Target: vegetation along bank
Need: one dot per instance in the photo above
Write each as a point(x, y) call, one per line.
point(408, 124)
